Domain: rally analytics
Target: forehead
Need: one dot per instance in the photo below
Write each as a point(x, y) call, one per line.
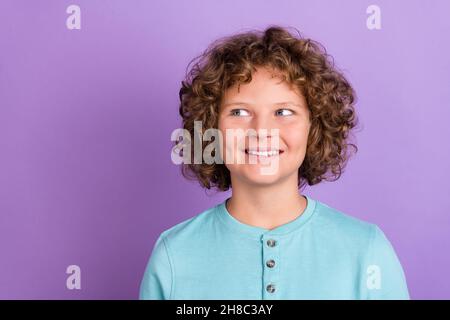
point(267, 85)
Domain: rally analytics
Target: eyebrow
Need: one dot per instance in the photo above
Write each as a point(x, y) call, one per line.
point(275, 104)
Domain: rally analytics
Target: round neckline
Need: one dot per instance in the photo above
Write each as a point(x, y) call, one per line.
point(255, 231)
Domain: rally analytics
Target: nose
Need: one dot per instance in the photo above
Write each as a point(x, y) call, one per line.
point(263, 128)
point(261, 124)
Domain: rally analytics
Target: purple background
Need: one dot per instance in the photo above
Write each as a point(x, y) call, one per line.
point(86, 117)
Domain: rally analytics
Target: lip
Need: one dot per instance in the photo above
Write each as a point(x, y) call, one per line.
point(280, 151)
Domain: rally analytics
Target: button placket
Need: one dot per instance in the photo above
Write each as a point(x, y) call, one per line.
point(271, 247)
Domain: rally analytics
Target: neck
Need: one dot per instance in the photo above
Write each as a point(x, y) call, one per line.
point(267, 206)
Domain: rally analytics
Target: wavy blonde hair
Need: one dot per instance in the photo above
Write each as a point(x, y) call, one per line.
point(303, 63)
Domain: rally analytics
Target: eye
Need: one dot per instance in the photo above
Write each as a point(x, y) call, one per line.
point(284, 112)
point(239, 112)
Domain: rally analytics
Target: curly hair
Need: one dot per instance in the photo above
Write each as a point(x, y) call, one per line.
point(303, 63)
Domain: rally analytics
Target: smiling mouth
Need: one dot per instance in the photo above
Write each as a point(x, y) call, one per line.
point(264, 153)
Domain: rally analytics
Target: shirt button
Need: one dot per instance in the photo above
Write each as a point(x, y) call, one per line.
point(270, 288)
point(271, 243)
point(270, 263)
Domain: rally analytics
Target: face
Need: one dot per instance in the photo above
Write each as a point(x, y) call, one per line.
point(265, 103)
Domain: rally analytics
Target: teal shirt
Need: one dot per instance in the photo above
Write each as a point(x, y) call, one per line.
point(322, 254)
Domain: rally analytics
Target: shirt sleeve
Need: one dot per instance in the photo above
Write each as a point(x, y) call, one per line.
point(157, 280)
point(384, 276)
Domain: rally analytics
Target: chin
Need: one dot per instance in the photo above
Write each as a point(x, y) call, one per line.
point(254, 176)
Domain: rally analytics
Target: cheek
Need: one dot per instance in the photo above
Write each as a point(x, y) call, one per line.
point(224, 124)
point(296, 137)
point(234, 129)
point(228, 146)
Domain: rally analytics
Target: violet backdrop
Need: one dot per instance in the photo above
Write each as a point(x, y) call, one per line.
point(86, 116)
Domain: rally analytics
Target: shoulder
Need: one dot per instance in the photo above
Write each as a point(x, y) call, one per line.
point(382, 275)
point(190, 228)
point(336, 223)
point(349, 235)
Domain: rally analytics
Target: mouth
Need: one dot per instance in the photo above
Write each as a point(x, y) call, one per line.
point(264, 153)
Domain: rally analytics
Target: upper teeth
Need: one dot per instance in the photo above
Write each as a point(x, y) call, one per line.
point(264, 153)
